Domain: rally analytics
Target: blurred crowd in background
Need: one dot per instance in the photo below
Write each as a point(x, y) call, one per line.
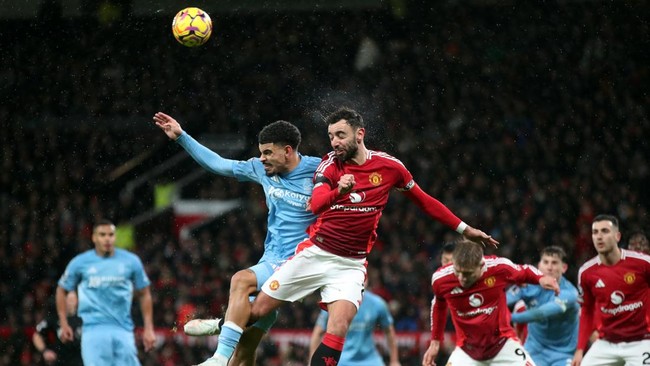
point(526, 120)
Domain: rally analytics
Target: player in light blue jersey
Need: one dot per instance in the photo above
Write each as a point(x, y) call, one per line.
point(286, 177)
point(359, 348)
point(105, 279)
point(552, 320)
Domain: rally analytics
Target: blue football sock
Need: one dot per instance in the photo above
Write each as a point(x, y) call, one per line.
point(228, 339)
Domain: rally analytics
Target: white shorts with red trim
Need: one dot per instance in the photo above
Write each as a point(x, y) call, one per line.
point(607, 353)
point(311, 269)
point(512, 354)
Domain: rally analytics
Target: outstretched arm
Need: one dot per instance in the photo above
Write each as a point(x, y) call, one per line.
point(208, 159)
point(545, 311)
point(440, 212)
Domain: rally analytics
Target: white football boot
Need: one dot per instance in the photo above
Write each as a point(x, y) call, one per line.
point(202, 327)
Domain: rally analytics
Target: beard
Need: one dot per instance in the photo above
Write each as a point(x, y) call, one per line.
point(349, 152)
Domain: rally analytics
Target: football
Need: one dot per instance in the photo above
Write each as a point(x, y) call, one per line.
point(192, 27)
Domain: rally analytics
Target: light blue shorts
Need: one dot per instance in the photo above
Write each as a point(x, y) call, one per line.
point(263, 271)
point(108, 345)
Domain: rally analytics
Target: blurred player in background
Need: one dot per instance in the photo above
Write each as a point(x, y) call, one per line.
point(59, 353)
point(447, 254)
point(615, 284)
point(286, 177)
point(638, 242)
point(552, 319)
point(360, 349)
point(105, 279)
point(473, 290)
point(352, 186)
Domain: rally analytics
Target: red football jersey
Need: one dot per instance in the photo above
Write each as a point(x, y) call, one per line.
point(618, 294)
point(480, 313)
point(348, 226)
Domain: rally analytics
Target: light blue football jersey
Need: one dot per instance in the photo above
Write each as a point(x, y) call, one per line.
point(552, 320)
point(286, 195)
point(105, 286)
point(359, 348)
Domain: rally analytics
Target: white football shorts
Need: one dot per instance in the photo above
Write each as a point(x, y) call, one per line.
point(311, 269)
point(607, 353)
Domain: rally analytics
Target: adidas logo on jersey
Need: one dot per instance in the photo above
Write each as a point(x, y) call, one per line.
point(457, 290)
point(600, 283)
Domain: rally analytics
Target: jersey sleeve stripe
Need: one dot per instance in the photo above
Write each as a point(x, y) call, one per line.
point(386, 156)
point(637, 255)
point(325, 163)
point(441, 273)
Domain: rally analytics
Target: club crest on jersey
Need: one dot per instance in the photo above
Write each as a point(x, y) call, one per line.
point(629, 278)
point(490, 281)
point(476, 300)
point(274, 285)
point(375, 179)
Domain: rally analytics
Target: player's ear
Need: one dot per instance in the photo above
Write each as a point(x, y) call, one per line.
point(361, 132)
point(564, 267)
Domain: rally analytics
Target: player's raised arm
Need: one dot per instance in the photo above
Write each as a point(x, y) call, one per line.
point(168, 124)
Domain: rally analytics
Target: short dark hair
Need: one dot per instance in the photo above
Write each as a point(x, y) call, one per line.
point(605, 217)
point(449, 247)
point(352, 117)
point(467, 254)
point(554, 250)
point(102, 222)
point(280, 133)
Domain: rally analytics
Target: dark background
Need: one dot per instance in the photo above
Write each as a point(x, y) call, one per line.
point(525, 119)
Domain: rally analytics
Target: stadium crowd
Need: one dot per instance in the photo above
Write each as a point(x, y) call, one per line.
point(525, 120)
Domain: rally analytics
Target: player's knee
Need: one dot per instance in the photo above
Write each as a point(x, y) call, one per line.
point(243, 281)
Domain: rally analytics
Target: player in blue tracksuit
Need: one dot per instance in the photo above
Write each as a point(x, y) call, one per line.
point(286, 177)
point(552, 320)
point(359, 348)
point(106, 279)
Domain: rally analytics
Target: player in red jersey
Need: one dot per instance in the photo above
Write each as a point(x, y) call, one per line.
point(351, 189)
point(473, 289)
point(614, 284)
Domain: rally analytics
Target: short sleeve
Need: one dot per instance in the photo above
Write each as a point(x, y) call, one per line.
point(72, 275)
point(140, 278)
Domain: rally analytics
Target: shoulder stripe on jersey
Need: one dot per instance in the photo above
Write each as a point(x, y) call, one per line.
point(443, 272)
point(590, 263)
point(633, 254)
point(325, 163)
point(372, 153)
point(491, 262)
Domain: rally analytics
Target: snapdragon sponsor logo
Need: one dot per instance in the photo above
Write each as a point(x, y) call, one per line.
point(621, 308)
point(475, 312)
point(292, 198)
point(353, 208)
point(105, 281)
